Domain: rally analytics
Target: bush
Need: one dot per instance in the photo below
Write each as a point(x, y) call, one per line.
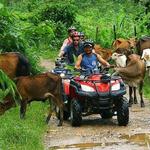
point(64, 13)
point(7, 87)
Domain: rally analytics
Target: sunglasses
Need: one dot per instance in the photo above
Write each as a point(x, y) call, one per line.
point(75, 40)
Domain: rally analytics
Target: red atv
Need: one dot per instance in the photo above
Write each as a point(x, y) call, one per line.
point(94, 92)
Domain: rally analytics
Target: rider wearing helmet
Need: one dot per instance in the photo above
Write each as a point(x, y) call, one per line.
point(74, 49)
point(82, 36)
point(72, 28)
point(67, 41)
point(89, 59)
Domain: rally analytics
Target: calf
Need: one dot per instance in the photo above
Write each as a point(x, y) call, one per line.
point(39, 88)
point(133, 74)
point(120, 59)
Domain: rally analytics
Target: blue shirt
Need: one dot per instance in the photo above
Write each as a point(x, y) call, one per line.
point(89, 62)
point(70, 51)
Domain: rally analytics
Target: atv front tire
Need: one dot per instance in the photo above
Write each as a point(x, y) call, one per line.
point(75, 113)
point(123, 112)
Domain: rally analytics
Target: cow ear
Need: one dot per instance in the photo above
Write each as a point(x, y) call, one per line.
point(118, 41)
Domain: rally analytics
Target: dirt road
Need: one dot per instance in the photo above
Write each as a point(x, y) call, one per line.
point(96, 133)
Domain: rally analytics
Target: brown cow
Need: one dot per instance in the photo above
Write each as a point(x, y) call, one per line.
point(39, 88)
point(14, 64)
point(142, 43)
point(133, 74)
point(104, 52)
point(124, 43)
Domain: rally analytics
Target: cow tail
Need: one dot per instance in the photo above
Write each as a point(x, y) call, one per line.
point(61, 90)
point(23, 68)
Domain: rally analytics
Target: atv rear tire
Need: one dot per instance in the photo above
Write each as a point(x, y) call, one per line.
point(123, 112)
point(106, 114)
point(75, 113)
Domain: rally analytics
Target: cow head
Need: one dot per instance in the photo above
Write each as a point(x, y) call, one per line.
point(146, 56)
point(120, 59)
point(124, 43)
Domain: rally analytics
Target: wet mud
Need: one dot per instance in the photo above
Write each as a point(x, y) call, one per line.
point(96, 133)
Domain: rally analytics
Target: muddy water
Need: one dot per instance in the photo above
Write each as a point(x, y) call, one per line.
point(139, 138)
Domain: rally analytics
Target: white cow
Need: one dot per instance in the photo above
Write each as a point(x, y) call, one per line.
point(120, 59)
point(146, 57)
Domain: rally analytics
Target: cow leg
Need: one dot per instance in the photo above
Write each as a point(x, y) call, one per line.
point(130, 96)
point(23, 108)
point(135, 97)
point(141, 94)
point(51, 109)
point(61, 106)
point(61, 116)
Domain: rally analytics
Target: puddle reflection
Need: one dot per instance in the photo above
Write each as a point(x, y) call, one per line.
point(82, 146)
point(139, 138)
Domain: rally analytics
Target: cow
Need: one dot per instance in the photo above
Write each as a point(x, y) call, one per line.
point(120, 59)
point(40, 88)
point(146, 57)
point(133, 74)
point(143, 49)
point(14, 64)
point(142, 43)
point(104, 52)
point(124, 43)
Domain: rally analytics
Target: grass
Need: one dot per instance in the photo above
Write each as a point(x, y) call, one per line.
point(24, 134)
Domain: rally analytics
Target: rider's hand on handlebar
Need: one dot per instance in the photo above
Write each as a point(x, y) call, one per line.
point(77, 69)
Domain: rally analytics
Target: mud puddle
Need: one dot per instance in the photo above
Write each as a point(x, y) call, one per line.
point(130, 144)
point(140, 139)
point(83, 146)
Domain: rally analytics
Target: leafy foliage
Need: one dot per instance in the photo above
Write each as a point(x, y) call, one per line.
point(63, 13)
point(7, 87)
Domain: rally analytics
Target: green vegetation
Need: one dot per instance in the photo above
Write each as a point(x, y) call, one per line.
point(23, 134)
point(37, 29)
point(7, 87)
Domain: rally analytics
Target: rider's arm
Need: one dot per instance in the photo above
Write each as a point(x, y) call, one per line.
point(103, 61)
point(64, 51)
point(61, 53)
point(78, 62)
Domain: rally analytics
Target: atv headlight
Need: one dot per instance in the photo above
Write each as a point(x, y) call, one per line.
point(115, 87)
point(87, 88)
point(62, 75)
